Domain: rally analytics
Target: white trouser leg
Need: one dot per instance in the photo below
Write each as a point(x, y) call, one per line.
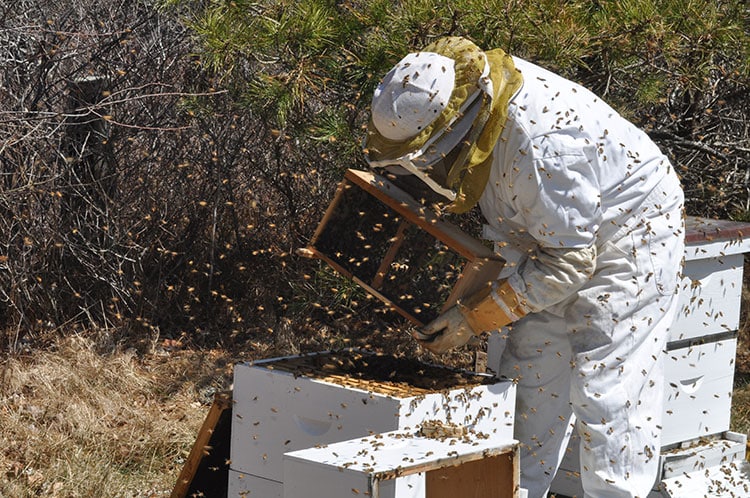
point(537, 357)
point(618, 330)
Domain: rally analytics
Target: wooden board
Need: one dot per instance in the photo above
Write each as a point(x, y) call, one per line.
point(205, 472)
point(486, 478)
point(380, 188)
point(707, 230)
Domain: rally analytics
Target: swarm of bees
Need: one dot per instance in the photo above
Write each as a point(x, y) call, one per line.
point(437, 429)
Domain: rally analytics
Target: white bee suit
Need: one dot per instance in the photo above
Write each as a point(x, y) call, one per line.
point(588, 213)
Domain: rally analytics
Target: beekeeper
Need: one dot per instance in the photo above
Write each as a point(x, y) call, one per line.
point(587, 213)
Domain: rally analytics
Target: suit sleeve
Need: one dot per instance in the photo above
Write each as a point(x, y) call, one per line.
point(557, 195)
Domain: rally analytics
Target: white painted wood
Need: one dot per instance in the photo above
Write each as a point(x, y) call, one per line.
point(275, 412)
point(309, 479)
point(727, 481)
point(704, 454)
point(710, 297)
point(716, 248)
point(243, 485)
point(369, 465)
point(698, 391)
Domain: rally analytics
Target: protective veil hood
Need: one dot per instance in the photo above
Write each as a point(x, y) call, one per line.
point(451, 97)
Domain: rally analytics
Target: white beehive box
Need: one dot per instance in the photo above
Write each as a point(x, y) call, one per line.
point(278, 411)
point(714, 467)
point(700, 354)
point(711, 292)
point(698, 390)
point(702, 454)
point(721, 481)
point(402, 464)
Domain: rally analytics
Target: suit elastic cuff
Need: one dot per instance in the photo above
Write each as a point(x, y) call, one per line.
point(491, 308)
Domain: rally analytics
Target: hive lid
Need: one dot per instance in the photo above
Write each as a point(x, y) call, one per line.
point(708, 230)
point(399, 453)
point(706, 238)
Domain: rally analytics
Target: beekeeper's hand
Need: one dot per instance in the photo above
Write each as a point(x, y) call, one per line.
point(494, 306)
point(449, 330)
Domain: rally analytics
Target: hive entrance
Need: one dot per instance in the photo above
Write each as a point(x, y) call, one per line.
point(384, 374)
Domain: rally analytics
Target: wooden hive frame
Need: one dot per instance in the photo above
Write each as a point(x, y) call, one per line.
point(399, 250)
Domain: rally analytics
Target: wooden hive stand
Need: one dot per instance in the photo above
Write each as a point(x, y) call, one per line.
point(205, 472)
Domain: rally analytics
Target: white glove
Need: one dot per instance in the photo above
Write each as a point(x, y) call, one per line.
point(449, 330)
point(494, 306)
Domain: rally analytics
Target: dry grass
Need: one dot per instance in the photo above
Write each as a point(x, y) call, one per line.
point(741, 394)
point(85, 422)
point(741, 406)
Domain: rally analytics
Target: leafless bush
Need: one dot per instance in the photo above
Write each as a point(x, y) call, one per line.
point(142, 189)
point(709, 134)
point(74, 102)
point(131, 189)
